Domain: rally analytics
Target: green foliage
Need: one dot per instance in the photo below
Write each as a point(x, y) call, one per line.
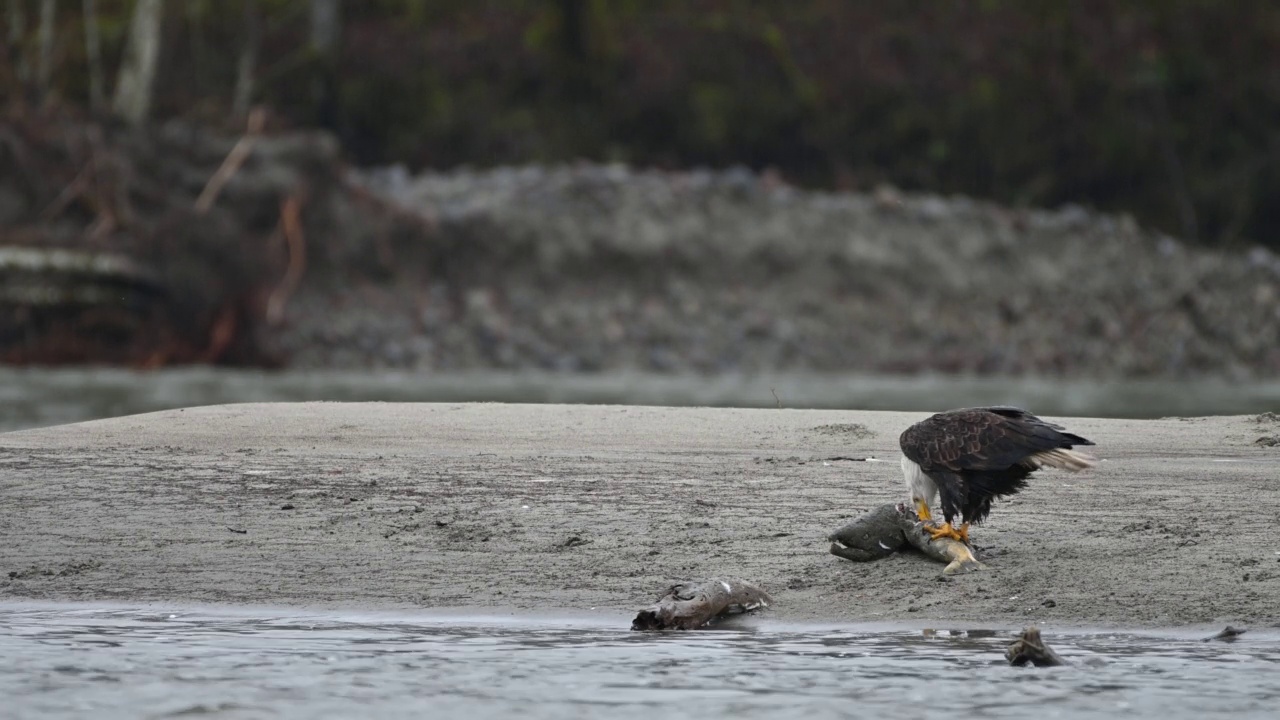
point(1163, 108)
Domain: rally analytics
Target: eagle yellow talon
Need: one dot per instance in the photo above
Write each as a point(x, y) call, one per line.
point(945, 530)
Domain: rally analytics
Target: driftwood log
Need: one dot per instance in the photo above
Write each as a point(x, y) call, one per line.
point(56, 277)
point(694, 604)
point(889, 528)
point(1029, 648)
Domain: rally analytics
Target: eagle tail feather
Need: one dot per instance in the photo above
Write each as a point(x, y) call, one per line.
point(1064, 459)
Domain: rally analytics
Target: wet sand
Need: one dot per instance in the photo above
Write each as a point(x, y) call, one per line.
point(598, 508)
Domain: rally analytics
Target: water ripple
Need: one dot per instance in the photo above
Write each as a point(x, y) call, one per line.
point(134, 663)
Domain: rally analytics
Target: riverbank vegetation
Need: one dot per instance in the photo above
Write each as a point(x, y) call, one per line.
point(1161, 109)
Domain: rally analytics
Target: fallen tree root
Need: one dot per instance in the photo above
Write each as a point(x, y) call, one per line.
point(691, 605)
point(888, 528)
point(1029, 648)
point(296, 243)
point(239, 153)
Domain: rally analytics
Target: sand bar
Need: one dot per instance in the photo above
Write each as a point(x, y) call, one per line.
point(597, 508)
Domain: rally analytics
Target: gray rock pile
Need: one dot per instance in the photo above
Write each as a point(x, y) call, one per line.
point(599, 267)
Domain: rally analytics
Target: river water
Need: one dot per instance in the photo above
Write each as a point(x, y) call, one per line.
point(71, 661)
point(35, 397)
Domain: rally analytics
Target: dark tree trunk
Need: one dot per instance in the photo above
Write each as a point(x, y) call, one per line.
point(44, 62)
point(17, 21)
point(93, 55)
point(247, 64)
point(326, 31)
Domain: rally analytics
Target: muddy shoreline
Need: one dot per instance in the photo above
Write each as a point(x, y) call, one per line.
point(598, 508)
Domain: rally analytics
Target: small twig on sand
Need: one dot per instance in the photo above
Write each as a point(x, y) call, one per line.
point(295, 241)
point(1029, 648)
point(232, 163)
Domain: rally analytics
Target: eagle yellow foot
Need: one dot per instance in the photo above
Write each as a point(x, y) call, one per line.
point(945, 530)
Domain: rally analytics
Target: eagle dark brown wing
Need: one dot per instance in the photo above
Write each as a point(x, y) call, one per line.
point(976, 455)
point(992, 438)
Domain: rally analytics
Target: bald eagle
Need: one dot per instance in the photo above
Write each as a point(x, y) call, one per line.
point(972, 456)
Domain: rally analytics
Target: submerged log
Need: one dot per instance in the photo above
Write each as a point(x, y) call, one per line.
point(693, 604)
point(1029, 648)
point(1227, 634)
point(886, 529)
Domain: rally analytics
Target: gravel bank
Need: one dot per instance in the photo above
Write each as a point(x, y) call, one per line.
point(589, 267)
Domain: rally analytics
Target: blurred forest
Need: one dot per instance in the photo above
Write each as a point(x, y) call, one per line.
point(1163, 108)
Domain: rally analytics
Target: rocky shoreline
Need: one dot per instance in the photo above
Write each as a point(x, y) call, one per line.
point(592, 267)
point(586, 267)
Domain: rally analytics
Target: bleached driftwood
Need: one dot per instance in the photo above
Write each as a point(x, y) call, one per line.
point(694, 604)
point(51, 276)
